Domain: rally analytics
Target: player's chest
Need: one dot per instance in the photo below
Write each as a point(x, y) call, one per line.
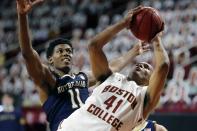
point(69, 82)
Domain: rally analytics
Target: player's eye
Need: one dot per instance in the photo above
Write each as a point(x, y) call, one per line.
point(68, 50)
point(60, 51)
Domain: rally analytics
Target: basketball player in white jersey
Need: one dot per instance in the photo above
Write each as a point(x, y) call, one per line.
point(119, 103)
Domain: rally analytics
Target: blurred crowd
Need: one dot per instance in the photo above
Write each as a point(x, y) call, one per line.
point(80, 20)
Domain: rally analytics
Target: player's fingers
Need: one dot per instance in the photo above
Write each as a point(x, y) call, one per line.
point(137, 9)
point(29, 2)
point(146, 47)
point(139, 43)
point(17, 2)
point(144, 43)
point(37, 2)
point(20, 1)
point(140, 49)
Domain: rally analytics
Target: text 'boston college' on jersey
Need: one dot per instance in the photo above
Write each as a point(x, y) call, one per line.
point(115, 105)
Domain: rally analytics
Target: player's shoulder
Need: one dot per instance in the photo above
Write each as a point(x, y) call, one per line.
point(82, 75)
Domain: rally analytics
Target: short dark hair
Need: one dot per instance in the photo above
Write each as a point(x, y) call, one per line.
point(54, 43)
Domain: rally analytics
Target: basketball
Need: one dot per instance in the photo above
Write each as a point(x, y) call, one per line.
point(146, 24)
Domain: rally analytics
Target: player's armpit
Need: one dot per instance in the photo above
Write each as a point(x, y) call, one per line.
point(104, 77)
point(146, 99)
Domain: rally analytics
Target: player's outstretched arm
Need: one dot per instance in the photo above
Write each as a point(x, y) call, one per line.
point(98, 60)
point(158, 77)
point(36, 70)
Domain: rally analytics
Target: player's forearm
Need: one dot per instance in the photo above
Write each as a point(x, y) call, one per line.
point(24, 37)
point(119, 63)
point(105, 36)
point(161, 56)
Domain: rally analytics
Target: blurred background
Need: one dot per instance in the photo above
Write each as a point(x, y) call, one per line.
point(80, 20)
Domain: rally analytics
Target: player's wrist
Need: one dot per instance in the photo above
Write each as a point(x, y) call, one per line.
point(22, 13)
point(124, 23)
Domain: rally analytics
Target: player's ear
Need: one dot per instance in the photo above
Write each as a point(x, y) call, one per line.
point(50, 60)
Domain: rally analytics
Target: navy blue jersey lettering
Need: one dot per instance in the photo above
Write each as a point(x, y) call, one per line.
point(70, 94)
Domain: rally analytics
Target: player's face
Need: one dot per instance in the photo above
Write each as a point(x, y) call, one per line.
point(62, 56)
point(141, 73)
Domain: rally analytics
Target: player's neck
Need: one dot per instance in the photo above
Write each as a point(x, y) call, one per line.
point(136, 81)
point(62, 72)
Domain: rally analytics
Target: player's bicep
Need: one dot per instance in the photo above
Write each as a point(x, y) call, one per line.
point(99, 63)
point(157, 82)
point(34, 66)
point(155, 87)
point(91, 78)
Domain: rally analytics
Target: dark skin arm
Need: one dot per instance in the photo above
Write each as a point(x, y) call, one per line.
point(158, 77)
point(38, 72)
point(117, 64)
point(98, 60)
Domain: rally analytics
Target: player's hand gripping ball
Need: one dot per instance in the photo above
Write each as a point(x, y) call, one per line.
point(146, 24)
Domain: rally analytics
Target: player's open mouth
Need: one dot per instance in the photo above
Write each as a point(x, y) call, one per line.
point(66, 59)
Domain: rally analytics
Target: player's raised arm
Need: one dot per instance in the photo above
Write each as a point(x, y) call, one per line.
point(98, 60)
point(36, 70)
point(158, 77)
point(118, 63)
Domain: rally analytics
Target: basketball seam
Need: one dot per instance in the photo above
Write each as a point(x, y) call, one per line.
point(151, 27)
point(141, 21)
point(158, 21)
point(161, 21)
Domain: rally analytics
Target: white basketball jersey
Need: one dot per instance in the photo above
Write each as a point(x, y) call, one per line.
point(115, 105)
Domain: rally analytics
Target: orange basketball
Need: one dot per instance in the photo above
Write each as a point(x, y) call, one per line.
point(146, 24)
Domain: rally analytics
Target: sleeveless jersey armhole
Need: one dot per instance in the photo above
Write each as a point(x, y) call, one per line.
point(102, 78)
point(50, 88)
point(146, 99)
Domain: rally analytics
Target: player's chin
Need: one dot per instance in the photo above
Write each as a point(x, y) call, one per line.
point(137, 72)
point(66, 65)
point(66, 68)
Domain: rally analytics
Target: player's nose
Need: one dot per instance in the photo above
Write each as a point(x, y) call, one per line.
point(140, 65)
point(65, 53)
